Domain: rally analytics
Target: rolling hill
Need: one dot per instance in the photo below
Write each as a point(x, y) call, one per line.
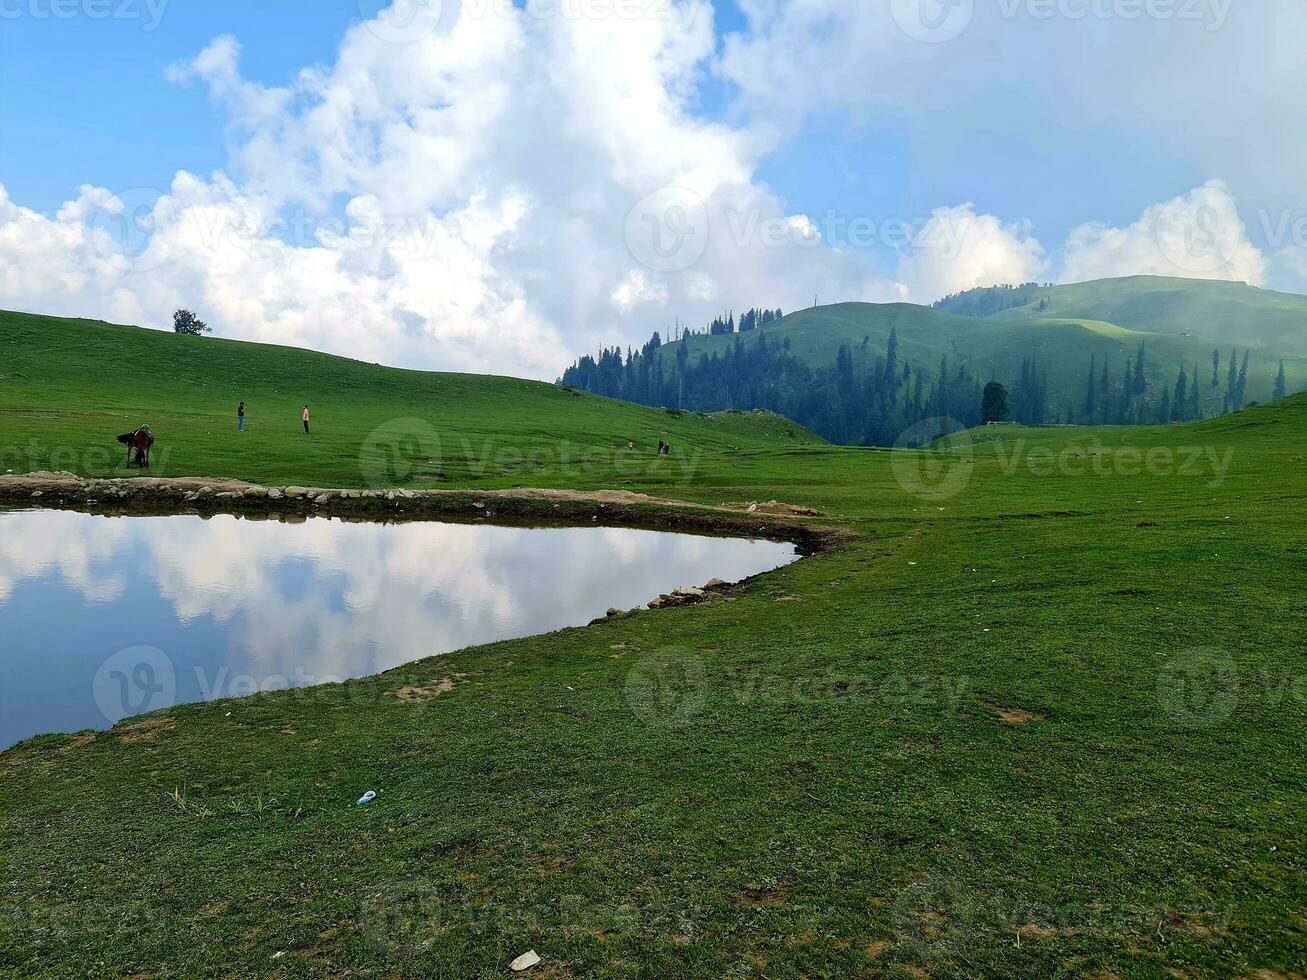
point(996, 333)
point(1228, 313)
point(68, 387)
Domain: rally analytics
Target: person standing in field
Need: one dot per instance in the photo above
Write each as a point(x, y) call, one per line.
point(240, 417)
point(306, 420)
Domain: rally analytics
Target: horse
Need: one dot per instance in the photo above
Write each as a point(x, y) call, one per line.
point(139, 442)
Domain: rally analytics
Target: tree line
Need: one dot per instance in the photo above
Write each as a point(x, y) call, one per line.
point(873, 396)
point(867, 396)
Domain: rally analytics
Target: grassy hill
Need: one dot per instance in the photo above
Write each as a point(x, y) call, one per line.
point(1040, 714)
point(1178, 321)
point(1224, 313)
point(69, 387)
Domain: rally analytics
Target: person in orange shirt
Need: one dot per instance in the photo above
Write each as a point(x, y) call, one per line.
point(306, 420)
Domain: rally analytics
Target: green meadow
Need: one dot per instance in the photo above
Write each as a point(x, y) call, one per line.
point(1042, 711)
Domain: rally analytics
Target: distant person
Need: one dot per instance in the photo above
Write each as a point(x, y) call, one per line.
point(667, 449)
point(630, 443)
point(660, 447)
point(306, 420)
point(240, 417)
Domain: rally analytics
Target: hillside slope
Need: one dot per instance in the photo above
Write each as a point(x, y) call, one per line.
point(1061, 338)
point(69, 387)
point(1225, 313)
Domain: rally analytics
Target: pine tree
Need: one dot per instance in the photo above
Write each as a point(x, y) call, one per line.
point(1195, 399)
point(1181, 402)
point(1241, 388)
point(1232, 382)
point(1281, 388)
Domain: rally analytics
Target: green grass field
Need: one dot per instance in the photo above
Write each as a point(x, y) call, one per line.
point(1043, 713)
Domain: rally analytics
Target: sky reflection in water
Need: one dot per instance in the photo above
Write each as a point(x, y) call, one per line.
point(104, 617)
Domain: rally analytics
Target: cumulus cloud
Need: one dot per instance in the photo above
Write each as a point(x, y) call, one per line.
point(1196, 235)
point(959, 249)
point(451, 194)
point(491, 187)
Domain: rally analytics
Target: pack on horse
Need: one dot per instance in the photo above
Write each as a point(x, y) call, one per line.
point(138, 442)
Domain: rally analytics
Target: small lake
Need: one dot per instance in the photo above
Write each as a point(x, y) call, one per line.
point(105, 617)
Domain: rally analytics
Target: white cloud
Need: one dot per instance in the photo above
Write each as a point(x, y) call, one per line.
point(466, 193)
point(1196, 235)
point(458, 201)
point(959, 249)
point(636, 289)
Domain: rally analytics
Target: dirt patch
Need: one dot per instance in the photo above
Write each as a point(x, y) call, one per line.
point(774, 508)
point(1011, 716)
point(762, 896)
point(877, 948)
point(78, 741)
point(414, 694)
point(145, 730)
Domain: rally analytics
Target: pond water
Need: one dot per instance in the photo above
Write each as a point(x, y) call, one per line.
point(104, 617)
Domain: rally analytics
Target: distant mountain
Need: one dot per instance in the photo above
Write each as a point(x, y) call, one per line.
point(826, 366)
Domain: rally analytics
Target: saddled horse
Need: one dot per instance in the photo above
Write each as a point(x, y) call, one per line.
point(138, 442)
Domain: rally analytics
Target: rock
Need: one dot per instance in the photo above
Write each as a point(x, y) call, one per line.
point(715, 583)
point(525, 961)
point(613, 611)
point(275, 494)
point(657, 602)
point(688, 591)
point(294, 493)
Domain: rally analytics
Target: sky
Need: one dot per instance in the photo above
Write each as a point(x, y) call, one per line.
point(499, 186)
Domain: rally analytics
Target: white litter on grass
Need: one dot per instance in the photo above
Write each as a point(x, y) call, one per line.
point(525, 961)
point(367, 797)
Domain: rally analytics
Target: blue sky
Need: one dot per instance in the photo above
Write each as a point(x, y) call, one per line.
point(1052, 147)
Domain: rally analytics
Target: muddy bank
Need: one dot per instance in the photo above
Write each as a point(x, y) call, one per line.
point(150, 495)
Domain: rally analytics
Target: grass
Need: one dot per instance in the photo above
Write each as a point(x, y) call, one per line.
point(69, 387)
point(1048, 722)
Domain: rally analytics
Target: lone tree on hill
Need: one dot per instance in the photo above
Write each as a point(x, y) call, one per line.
point(993, 405)
point(184, 321)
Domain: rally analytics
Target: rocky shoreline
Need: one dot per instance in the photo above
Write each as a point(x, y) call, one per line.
point(206, 496)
